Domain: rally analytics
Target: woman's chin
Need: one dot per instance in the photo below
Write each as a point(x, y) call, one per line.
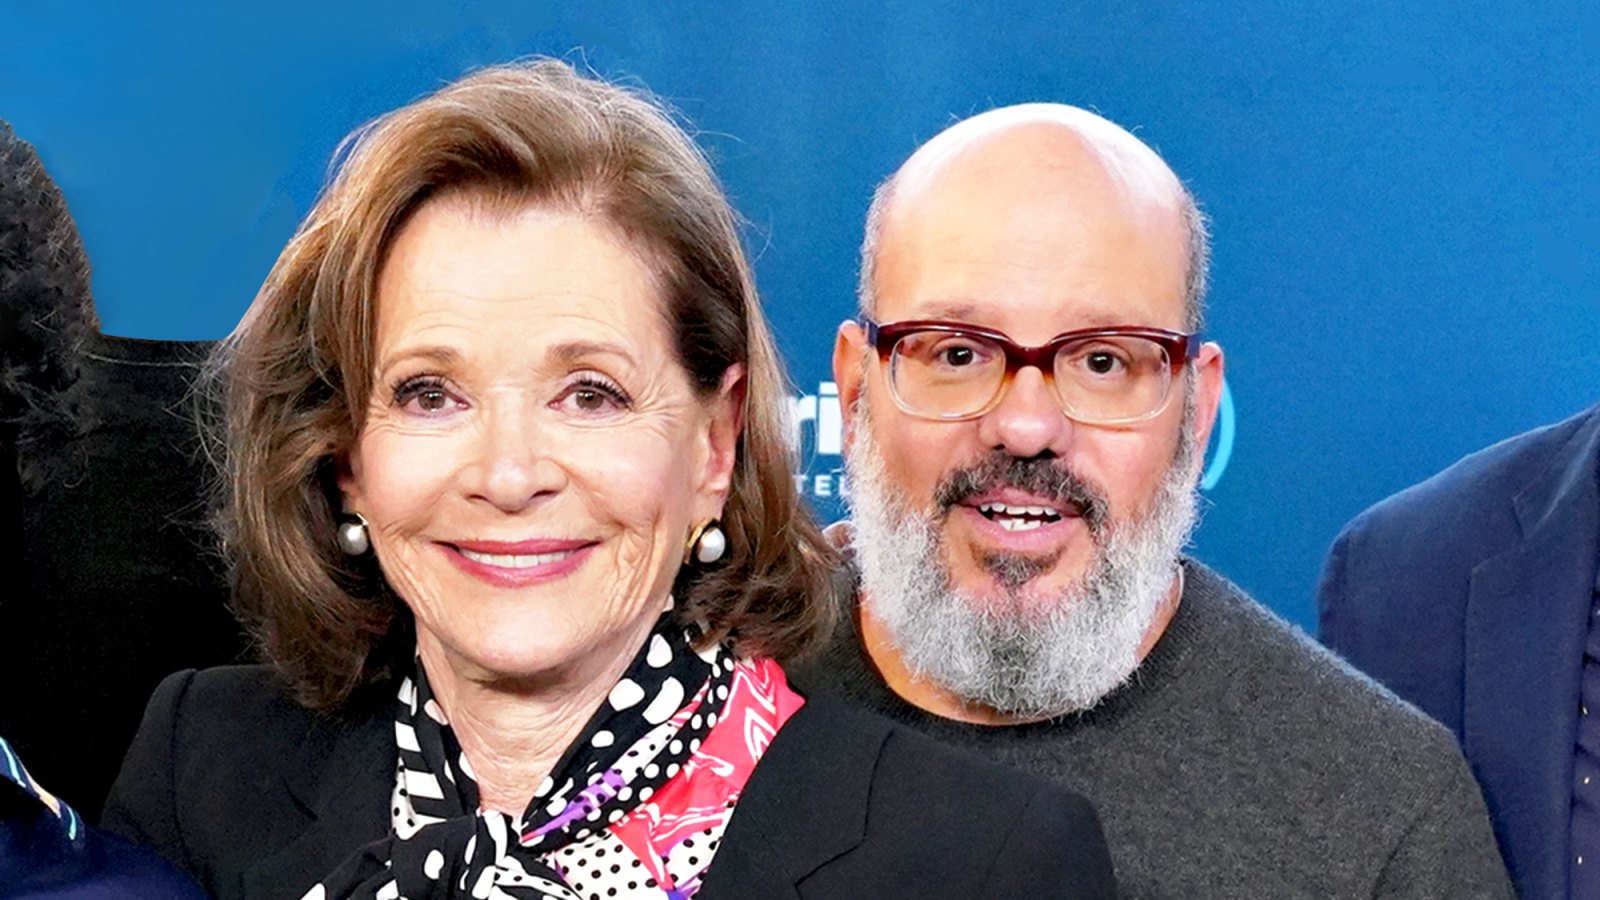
point(542, 655)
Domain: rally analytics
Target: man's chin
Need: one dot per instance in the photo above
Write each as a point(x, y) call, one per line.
point(1024, 587)
point(1008, 574)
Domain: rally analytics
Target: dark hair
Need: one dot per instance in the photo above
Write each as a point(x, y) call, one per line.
point(46, 316)
point(295, 377)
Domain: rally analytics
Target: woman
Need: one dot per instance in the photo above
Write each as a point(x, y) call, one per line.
point(511, 509)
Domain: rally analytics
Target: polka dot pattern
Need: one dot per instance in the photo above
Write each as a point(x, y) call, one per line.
point(444, 845)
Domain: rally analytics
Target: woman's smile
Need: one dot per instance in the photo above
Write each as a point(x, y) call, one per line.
point(519, 563)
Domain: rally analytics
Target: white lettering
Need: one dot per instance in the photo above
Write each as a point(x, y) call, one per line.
point(802, 409)
point(823, 411)
point(830, 424)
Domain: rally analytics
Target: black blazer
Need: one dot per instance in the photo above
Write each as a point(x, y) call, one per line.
point(257, 798)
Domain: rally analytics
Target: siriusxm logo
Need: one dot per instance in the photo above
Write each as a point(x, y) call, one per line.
point(820, 417)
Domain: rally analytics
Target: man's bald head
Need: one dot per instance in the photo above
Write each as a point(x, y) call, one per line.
point(1090, 169)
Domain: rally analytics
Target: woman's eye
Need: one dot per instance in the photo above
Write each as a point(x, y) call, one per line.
point(589, 399)
point(432, 400)
point(594, 397)
point(426, 397)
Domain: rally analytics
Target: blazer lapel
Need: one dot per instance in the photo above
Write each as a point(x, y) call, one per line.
point(805, 805)
point(339, 777)
point(1527, 624)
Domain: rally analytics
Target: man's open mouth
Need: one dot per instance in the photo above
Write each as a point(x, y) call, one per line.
point(1020, 518)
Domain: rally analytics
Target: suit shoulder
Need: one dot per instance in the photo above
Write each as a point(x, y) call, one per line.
point(229, 701)
point(1481, 480)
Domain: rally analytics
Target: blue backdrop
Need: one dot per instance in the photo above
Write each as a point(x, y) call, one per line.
point(1405, 195)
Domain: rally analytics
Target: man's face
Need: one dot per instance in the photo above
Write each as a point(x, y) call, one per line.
point(1017, 259)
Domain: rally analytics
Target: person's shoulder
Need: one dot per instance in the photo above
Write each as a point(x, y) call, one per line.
point(1479, 484)
point(245, 699)
point(1315, 702)
point(246, 715)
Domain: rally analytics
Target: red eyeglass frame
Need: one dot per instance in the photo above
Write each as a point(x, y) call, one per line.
point(1180, 347)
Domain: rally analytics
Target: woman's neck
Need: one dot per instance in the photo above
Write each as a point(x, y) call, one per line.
point(513, 732)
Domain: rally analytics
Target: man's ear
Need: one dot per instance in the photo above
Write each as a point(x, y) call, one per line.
point(1208, 375)
point(722, 433)
point(849, 349)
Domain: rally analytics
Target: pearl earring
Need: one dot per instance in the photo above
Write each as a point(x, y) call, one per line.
point(352, 535)
point(707, 544)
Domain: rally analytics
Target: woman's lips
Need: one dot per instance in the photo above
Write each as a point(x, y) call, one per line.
point(517, 563)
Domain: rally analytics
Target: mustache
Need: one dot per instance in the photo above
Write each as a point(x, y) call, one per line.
point(1043, 477)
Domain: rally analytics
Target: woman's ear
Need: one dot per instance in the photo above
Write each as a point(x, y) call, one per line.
point(347, 475)
point(722, 433)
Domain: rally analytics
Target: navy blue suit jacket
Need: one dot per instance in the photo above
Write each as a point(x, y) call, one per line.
point(1469, 595)
point(51, 854)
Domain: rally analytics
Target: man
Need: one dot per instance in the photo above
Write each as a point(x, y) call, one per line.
point(1028, 403)
point(1475, 596)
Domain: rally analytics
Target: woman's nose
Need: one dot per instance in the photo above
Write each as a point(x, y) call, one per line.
point(515, 463)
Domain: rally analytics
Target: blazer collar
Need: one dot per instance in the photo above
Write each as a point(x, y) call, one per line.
point(805, 805)
point(339, 778)
point(1527, 624)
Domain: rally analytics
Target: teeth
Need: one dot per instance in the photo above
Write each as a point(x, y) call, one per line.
point(509, 561)
point(1003, 509)
point(1019, 524)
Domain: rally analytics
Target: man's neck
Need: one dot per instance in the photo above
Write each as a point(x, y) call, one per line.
point(934, 698)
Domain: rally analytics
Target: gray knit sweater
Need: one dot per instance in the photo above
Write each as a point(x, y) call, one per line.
point(1243, 760)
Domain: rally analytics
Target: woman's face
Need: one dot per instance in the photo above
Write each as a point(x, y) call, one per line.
point(533, 457)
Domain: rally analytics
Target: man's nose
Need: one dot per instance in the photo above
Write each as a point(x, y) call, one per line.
point(1028, 420)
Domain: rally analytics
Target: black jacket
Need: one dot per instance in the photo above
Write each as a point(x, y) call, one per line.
point(257, 798)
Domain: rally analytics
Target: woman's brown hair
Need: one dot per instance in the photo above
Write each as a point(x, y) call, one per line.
point(295, 377)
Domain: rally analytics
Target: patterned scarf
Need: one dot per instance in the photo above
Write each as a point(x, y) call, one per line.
point(635, 808)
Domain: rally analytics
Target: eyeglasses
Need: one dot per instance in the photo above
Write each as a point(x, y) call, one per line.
point(1102, 376)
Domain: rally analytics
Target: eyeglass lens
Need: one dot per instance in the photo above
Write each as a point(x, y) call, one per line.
point(1097, 379)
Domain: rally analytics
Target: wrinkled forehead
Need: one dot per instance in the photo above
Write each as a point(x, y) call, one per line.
point(1054, 226)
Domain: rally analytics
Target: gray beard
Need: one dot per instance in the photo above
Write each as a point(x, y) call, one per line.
point(1020, 654)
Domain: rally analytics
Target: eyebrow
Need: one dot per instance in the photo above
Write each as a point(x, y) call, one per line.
point(956, 310)
point(448, 357)
point(961, 310)
point(435, 353)
point(572, 351)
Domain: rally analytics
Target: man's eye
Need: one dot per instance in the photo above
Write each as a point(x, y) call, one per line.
point(1102, 363)
point(956, 354)
point(959, 356)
